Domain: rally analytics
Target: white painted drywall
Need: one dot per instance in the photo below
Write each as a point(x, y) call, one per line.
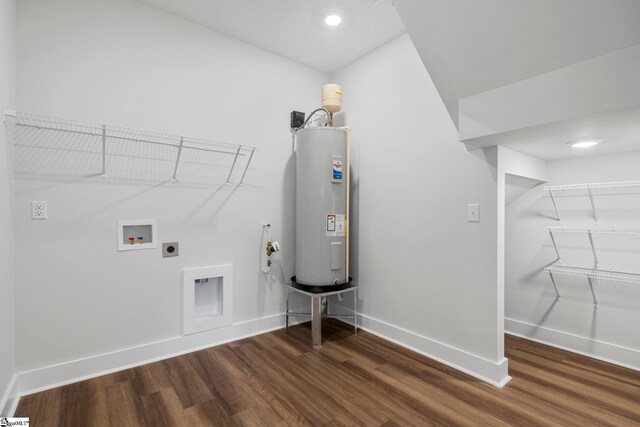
point(473, 46)
point(421, 266)
point(7, 83)
point(611, 331)
point(509, 163)
point(296, 29)
point(125, 63)
point(519, 164)
point(608, 82)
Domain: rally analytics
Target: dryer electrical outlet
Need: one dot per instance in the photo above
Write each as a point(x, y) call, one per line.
point(170, 249)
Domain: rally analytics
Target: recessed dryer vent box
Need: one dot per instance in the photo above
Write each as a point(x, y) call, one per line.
point(137, 234)
point(207, 298)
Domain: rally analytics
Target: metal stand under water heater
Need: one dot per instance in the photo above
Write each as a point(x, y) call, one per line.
point(322, 199)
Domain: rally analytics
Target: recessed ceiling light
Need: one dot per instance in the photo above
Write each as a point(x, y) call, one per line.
point(332, 20)
point(584, 144)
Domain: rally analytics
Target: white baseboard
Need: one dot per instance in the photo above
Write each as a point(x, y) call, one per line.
point(45, 378)
point(494, 373)
point(48, 377)
point(607, 352)
point(8, 402)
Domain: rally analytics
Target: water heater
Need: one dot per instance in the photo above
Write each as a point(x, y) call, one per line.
point(322, 209)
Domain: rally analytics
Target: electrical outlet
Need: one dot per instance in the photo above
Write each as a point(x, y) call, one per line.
point(473, 213)
point(170, 249)
point(38, 210)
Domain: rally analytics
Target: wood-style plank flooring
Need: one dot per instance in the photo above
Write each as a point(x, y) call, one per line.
point(277, 379)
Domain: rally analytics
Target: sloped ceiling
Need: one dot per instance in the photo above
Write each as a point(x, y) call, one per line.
point(471, 46)
point(295, 29)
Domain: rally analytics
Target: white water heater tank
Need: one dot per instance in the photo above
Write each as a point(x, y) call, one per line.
point(332, 98)
point(321, 207)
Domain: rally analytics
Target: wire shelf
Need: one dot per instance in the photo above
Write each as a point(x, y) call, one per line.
point(53, 146)
point(596, 230)
point(594, 273)
point(589, 187)
point(593, 186)
point(590, 232)
point(590, 274)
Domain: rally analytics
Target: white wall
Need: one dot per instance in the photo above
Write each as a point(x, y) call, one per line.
point(7, 83)
point(428, 277)
point(471, 47)
point(611, 331)
point(125, 63)
point(595, 86)
point(510, 164)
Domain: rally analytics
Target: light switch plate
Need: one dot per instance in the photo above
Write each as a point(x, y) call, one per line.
point(473, 213)
point(38, 209)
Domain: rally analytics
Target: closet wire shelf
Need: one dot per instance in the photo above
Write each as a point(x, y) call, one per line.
point(119, 152)
point(596, 230)
point(593, 186)
point(594, 273)
point(590, 274)
point(590, 231)
point(552, 189)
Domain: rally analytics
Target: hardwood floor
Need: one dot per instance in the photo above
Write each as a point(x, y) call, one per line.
point(277, 379)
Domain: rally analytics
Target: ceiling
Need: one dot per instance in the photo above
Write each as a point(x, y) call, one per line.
point(619, 131)
point(468, 47)
point(295, 29)
point(472, 46)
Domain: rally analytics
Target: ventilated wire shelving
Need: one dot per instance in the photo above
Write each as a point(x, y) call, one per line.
point(589, 187)
point(590, 232)
point(53, 146)
point(630, 231)
point(593, 185)
point(591, 274)
point(595, 273)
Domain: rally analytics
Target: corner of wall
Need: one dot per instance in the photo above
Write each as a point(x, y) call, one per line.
point(7, 278)
point(423, 100)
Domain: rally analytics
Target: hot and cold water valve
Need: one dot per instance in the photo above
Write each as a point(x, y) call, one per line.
point(272, 247)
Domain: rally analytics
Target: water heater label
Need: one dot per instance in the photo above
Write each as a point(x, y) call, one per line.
point(335, 225)
point(336, 168)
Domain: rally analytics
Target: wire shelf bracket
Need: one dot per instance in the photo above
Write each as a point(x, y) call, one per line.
point(104, 151)
point(555, 204)
point(202, 159)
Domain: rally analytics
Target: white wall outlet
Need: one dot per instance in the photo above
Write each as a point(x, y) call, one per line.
point(38, 210)
point(473, 213)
